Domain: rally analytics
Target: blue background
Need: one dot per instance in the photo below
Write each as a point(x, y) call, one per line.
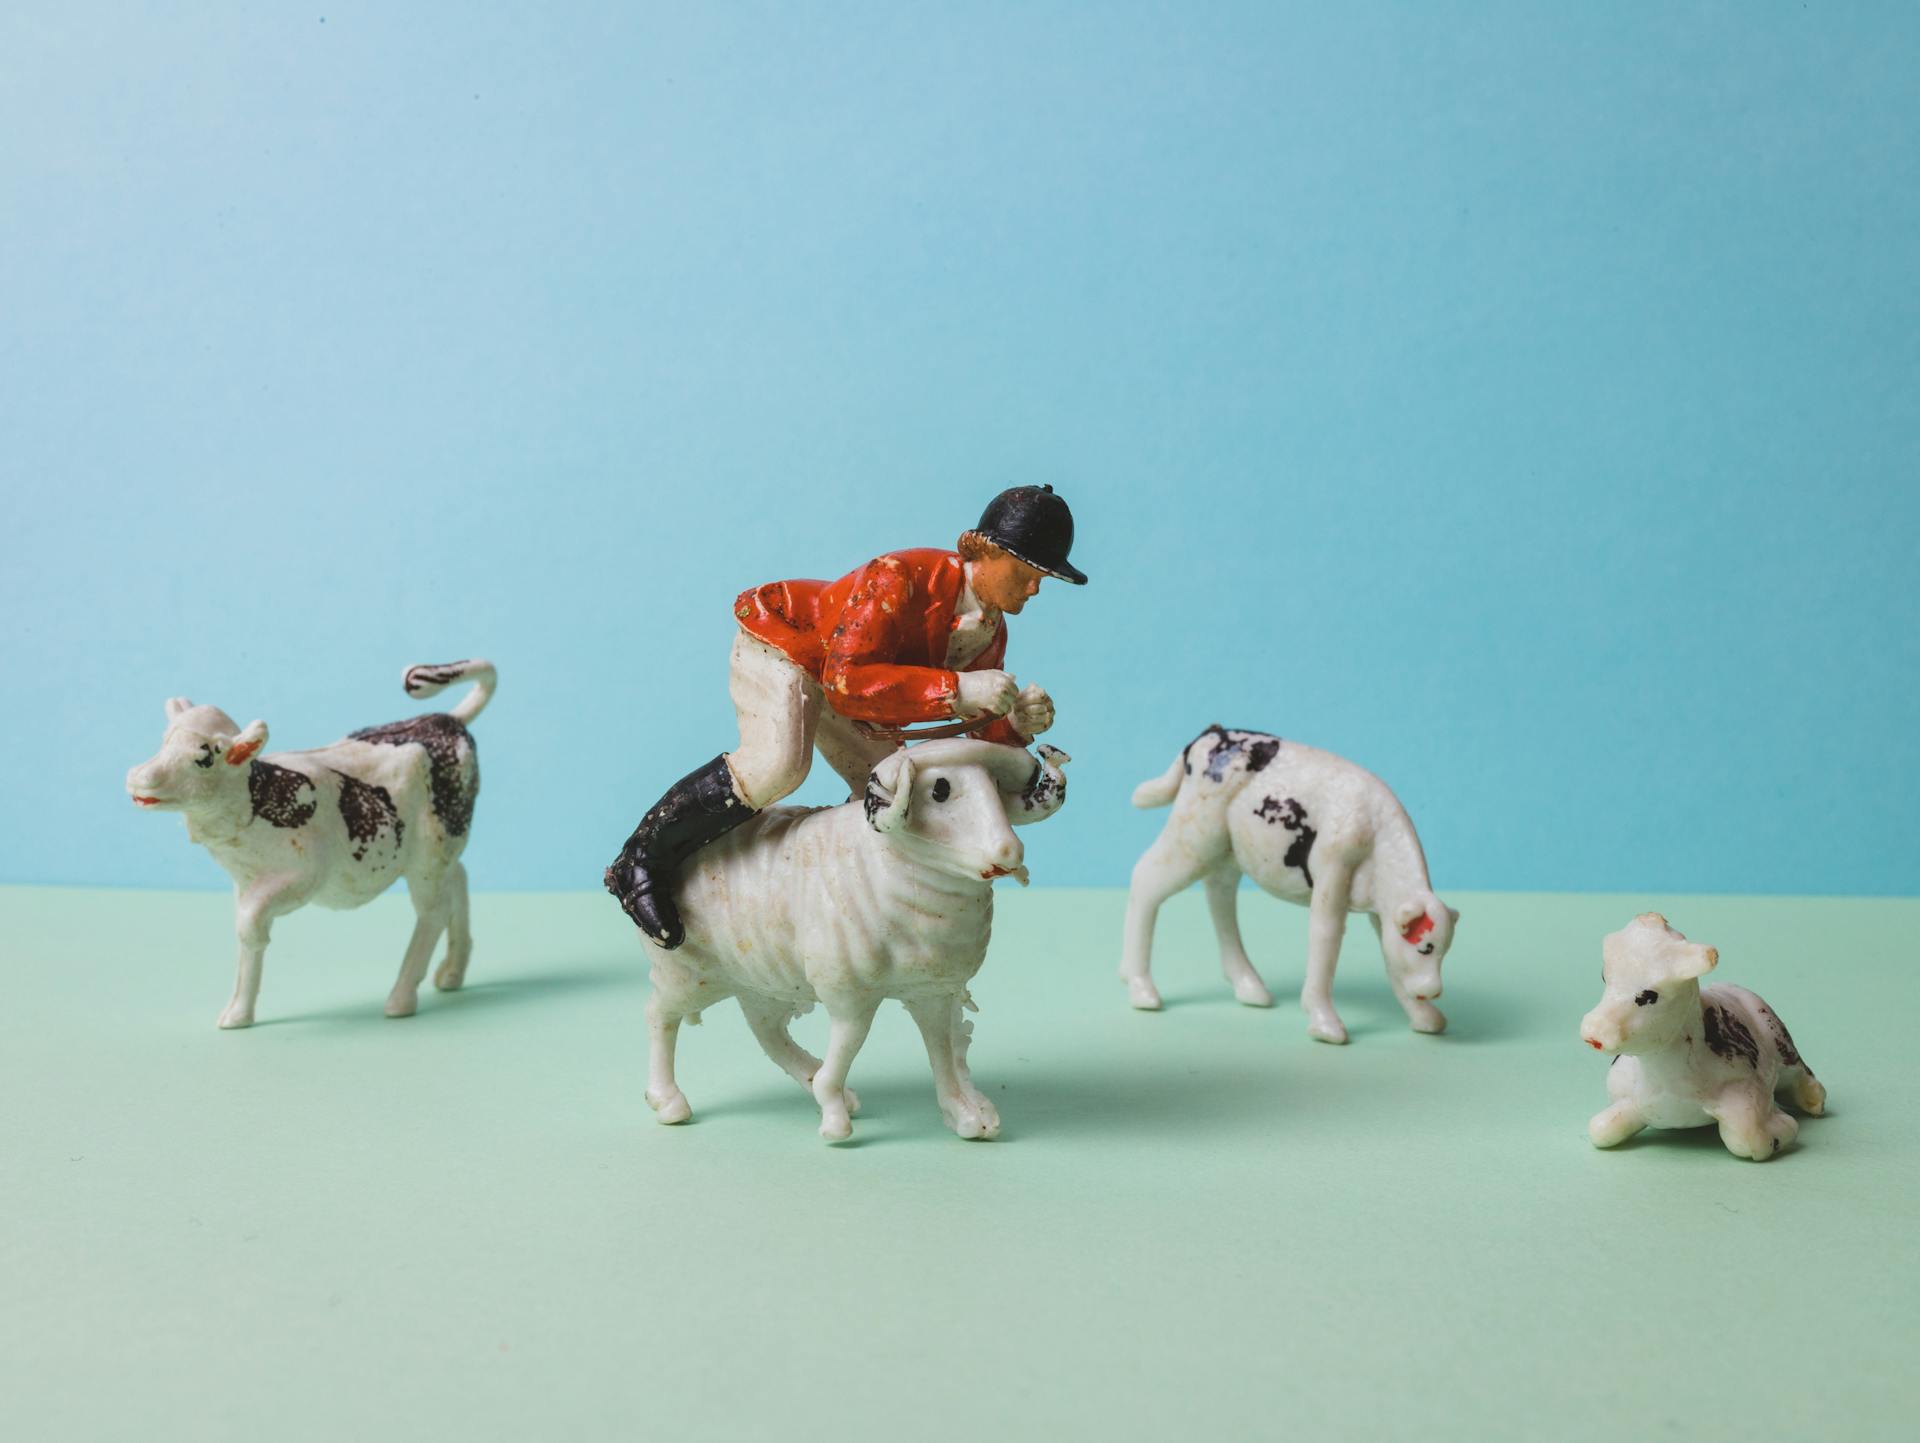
point(1518, 399)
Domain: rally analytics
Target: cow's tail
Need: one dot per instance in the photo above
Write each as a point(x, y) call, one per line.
point(1161, 789)
point(431, 677)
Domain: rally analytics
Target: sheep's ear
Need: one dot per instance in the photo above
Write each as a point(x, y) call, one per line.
point(176, 705)
point(253, 736)
point(889, 791)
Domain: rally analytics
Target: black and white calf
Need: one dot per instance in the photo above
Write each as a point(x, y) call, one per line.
point(1310, 828)
point(334, 826)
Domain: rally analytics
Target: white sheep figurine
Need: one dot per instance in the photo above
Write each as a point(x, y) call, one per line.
point(1311, 828)
point(887, 896)
point(1687, 1056)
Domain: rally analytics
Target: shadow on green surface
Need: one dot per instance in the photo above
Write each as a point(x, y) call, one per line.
point(484, 995)
point(1370, 1009)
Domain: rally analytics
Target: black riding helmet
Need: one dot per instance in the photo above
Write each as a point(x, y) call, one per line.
point(1035, 525)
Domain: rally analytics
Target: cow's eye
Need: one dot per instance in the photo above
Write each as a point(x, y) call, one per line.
point(942, 789)
point(1645, 998)
point(207, 753)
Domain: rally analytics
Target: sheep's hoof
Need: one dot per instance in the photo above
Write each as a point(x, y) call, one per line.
point(1143, 994)
point(399, 1006)
point(1252, 992)
point(450, 976)
point(669, 1108)
point(974, 1120)
point(1327, 1028)
point(836, 1129)
point(236, 1016)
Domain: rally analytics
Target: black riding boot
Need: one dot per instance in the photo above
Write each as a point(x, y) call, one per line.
point(697, 809)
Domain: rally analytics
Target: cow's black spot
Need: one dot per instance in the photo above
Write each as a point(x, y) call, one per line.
point(367, 810)
point(1727, 1035)
point(453, 764)
point(1290, 814)
point(1258, 748)
point(1647, 998)
point(281, 796)
point(1782, 1039)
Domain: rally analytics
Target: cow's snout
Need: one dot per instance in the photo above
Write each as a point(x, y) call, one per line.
point(1599, 1033)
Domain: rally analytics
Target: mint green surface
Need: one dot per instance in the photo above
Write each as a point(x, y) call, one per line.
point(1196, 1224)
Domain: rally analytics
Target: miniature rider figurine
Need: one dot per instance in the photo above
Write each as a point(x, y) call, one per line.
point(912, 636)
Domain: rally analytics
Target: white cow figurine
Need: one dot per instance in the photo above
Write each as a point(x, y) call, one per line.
point(1687, 1056)
point(335, 826)
point(887, 896)
point(1310, 828)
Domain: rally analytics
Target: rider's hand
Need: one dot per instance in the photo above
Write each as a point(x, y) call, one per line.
point(984, 693)
point(1032, 712)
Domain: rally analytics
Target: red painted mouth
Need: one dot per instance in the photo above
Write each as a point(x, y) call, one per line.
point(993, 872)
point(146, 801)
point(1595, 1046)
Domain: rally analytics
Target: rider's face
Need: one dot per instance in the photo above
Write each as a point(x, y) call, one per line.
point(1004, 581)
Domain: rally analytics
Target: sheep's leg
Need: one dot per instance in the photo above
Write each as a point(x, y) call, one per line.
point(664, 1096)
point(1326, 925)
point(1165, 868)
point(1750, 1125)
point(945, 1031)
point(1223, 905)
point(851, 1019)
point(1615, 1124)
point(769, 1021)
point(430, 900)
point(453, 971)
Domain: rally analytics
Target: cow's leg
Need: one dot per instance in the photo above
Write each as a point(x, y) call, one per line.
point(1615, 1124)
point(666, 1005)
point(1167, 867)
point(851, 1017)
point(770, 1023)
point(254, 909)
point(430, 900)
point(1223, 905)
point(1326, 925)
point(1803, 1089)
point(945, 1031)
point(453, 971)
point(1750, 1125)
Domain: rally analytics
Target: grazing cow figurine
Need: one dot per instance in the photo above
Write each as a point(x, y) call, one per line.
point(334, 826)
point(1686, 1056)
point(1310, 828)
point(890, 895)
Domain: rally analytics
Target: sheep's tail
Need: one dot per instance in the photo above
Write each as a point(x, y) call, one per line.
point(1162, 789)
point(431, 677)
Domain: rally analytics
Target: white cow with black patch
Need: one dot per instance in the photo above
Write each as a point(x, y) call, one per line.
point(333, 826)
point(887, 896)
point(1687, 1056)
point(1310, 828)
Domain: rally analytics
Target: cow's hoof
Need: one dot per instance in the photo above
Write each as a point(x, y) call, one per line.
point(1327, 1028)
point(1252, 992)
point(1143, 994)
point(1427, 1018)
point(449, 977)
point(398, 1006)
point(236, 1016)
point(853, 1101)
point(669, 1107)
point(836, 1129)
point(1811, 1096)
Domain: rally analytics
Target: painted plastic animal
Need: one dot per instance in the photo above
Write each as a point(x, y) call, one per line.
point(1687, 1056)
point(1310, 828)
point(335, 826)
point(890, 895)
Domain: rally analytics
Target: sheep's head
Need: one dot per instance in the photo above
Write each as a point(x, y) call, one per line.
point(202, 753)
point(955, 803)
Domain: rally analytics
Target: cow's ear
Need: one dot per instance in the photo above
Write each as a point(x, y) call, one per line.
point(889, 792)
point(1697, 961)
point(176, 705)
point(244, 747)
point(1453, 916)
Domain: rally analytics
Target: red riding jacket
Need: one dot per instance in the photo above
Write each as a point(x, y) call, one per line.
point(876, 639)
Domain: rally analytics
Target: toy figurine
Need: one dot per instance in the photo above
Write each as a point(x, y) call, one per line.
point(912, 636)
point(1310, 828)
point(1684, 1056)
point(887, 896)
point(333, 826)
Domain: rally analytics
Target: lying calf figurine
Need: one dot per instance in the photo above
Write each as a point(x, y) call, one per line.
point(334, 826)
point(1686, 1057)
point(887, 896)
point(1310, 828)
